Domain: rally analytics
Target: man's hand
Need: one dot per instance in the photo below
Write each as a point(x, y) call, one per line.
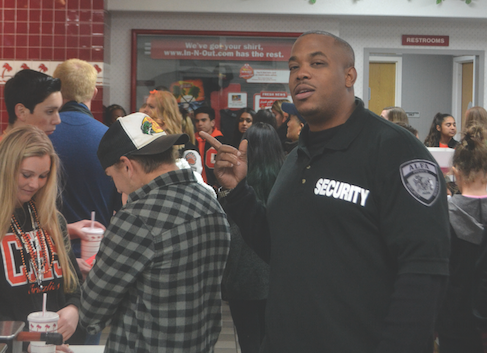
point(74, 229)
point(84, 267)
point(68, 320)
point(230, 163)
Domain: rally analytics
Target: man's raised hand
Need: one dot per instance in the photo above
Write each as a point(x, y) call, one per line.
point(230, 163)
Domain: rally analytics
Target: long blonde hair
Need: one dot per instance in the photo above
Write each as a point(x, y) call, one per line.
point(20, 143)
point(167, 112)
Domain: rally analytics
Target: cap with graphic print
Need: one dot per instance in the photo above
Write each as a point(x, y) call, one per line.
point(135, 134)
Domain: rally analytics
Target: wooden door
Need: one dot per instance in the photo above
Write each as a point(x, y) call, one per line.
point(382, 84)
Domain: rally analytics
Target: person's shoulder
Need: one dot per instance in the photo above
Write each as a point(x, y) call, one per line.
point(390, 132)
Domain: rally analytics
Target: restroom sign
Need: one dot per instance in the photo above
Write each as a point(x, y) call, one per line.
point(425, 40)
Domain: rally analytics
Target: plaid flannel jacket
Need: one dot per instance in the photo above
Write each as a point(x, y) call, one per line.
point(157, 275)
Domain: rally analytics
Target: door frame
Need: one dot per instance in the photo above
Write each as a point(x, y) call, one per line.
point(389, 60)
point(457, 86)
point(480, 65)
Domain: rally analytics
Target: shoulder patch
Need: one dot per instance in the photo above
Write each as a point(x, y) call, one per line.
point(421, 180)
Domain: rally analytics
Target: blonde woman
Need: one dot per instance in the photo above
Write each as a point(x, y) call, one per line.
point(163, 108)
point(281, 118)
point(34, 255)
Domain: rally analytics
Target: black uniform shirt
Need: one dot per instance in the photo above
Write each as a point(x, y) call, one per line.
point(368, 206)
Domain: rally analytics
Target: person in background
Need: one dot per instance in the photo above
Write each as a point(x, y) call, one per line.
point(245, 281)
point(112, 113)
point(205, 121)
point(476, 116)
point(281, 119)
point(187, 124)
point(35, 255)
point(164, 109)
point(86, 187)
point(295, 124)
point(457, 328)
point(441, 133)
point(265, 116)
point(144, 109)
point(395, 115)
point(244, 121)
point(356, 225)
point(33, 98)
point(157, 277)
point(408, 128)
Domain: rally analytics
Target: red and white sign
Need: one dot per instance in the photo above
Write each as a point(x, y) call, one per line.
point(264, 100)
point(269, 76)
point(425, 40)
point(230, 49)
point(246, 72)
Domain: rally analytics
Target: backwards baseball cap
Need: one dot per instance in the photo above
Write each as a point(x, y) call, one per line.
point(290, 108)
point(137, 135)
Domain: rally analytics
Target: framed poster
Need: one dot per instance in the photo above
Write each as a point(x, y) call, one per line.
point(223, 70)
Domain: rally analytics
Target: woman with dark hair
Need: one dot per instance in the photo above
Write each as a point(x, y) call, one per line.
point(266, 116)
point(457, 327)
point(245, 281)
point(441, 133)
point(244, 121)
point(112, 113)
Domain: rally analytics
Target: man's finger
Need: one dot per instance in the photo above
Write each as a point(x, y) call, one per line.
point(211, 140)
point(243, 147)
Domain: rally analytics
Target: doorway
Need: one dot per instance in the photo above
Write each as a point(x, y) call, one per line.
point(385, 82)
point(421, 107)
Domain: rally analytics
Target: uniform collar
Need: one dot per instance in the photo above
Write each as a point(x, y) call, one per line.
point(344, 136)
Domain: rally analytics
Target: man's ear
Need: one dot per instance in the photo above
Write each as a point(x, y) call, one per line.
point(127, 165)
point(351, 77)
point(95, 92)
point(21, 111)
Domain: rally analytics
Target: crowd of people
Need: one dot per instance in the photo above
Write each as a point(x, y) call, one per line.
point(326, 227)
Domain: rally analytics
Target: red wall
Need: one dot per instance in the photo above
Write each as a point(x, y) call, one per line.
point(51, 30)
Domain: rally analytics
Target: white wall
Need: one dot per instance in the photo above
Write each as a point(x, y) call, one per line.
point(407, 8)
point(361, 33)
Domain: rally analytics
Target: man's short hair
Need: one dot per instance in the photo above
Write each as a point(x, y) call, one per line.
point(78, 79)
point(338, 41)
point(151, 163)
point(28, 87)
point(205, 110)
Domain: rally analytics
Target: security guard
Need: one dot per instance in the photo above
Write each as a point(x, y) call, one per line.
point(357, 220)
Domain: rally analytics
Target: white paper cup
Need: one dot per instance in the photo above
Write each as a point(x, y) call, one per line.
point(42, 322)
point(91, 246)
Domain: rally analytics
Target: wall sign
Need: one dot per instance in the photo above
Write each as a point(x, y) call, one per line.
point(425, 40)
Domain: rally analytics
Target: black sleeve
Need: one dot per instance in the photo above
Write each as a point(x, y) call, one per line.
point(479, 288)
point(410, 324)
point(250, 216)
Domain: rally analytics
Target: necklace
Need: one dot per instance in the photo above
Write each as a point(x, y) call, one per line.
point(35, 244)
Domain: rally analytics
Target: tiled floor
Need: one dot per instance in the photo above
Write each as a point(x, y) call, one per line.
point(227, 342)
